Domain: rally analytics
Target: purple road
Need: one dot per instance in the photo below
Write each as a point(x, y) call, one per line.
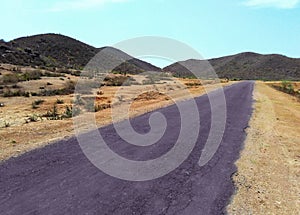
point(59, 179)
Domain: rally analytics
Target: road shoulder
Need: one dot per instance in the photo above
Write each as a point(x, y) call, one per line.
point(268, 169)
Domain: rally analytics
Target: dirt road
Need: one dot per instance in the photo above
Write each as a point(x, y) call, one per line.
point(59, 179)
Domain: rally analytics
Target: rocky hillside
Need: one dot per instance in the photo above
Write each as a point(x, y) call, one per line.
point(246, 66)
point(55, 50)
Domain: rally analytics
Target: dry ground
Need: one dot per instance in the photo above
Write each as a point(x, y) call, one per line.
point(17, 136)
point(296, 85)
point(269, 167)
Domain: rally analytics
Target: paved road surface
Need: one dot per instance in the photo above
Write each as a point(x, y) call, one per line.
point(59, 179)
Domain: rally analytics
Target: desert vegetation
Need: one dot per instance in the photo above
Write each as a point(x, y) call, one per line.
point(45, 102)
point(12, 78)
point(68, 112)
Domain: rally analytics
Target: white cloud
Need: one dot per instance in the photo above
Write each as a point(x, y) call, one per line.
point(283, 4)
point(81, 4)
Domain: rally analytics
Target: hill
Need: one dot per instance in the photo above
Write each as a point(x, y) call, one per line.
point(246, 66)
point(55, 50)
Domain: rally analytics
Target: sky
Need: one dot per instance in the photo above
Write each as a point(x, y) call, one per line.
point(214, 28)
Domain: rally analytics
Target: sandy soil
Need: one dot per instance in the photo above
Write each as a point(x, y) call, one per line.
point(268, 174)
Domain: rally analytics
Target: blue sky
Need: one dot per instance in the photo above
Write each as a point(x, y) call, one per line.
point(213, 27)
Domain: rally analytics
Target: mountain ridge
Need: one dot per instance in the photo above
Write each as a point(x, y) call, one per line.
point(56, 50)
point(246, 66)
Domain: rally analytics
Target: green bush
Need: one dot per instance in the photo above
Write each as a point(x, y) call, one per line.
point(71, 111)
point(51, 74)
point(26, 76)
point(67, 71)
point(59, 101)
point(35, 104)
point(118, 80)
point(15, 93)
point(31, 75)
point(287, 87)
point(33, 118)
point(10, 78)
point(39, 101)
point(53, 114)
point(284, 84)
point(26, 94)
point(68, 89)
point(101, 107)
point(6, 124)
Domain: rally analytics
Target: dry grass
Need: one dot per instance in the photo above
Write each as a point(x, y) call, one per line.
point(268, 170)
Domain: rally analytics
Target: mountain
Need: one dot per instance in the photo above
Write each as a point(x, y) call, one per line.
point(246, 66)
point(55, 50)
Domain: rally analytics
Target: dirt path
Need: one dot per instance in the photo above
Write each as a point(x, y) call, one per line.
point(58, 179)
point(268, 170)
